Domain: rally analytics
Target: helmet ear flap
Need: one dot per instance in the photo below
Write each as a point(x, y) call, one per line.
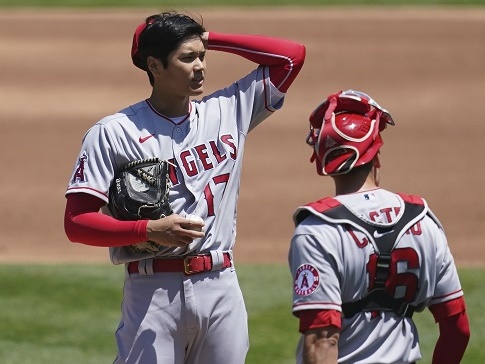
point(324, 111)
point(316, 117)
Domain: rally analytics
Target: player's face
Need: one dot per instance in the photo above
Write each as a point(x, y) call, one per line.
point(185, 73)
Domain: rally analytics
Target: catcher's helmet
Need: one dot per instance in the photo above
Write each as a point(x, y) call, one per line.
point(345, 131)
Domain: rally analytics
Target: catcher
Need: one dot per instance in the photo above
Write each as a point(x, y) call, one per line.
point(367, 259)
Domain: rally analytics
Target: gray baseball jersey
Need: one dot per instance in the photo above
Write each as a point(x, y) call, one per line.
point(334, 264)
point(206, 148)
point(177, 318)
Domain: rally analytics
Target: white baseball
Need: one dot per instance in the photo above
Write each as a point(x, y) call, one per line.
point(195, 218)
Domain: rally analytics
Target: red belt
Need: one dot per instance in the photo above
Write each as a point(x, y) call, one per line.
point(191, 264)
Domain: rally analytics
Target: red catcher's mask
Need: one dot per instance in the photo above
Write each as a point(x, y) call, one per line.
point(345, 131)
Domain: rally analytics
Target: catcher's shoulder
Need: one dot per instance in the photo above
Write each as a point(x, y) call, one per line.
point(412, 198)
point(418, 200)
point(319, 206)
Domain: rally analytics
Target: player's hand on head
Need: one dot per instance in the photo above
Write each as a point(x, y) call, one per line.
point(205, 39)
point(175, 230)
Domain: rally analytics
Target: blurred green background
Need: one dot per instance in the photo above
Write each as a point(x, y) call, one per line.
point(59, 314)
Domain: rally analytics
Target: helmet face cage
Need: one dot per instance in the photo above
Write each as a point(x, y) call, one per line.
point(345, 131)
point(365, 98)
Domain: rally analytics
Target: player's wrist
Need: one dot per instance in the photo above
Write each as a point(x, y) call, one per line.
point(150, 229)
point(142, 230)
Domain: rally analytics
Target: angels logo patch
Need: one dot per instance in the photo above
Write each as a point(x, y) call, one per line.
point(307, 280)
point(79, 173)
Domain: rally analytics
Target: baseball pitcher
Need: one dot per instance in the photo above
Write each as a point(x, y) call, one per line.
point(165, 173)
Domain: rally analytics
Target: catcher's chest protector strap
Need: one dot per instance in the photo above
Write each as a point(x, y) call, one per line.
point(379, 299)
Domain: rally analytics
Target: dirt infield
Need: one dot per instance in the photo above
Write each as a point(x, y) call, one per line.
point(62, 71)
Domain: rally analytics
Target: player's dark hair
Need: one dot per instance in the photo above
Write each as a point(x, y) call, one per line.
point(164, 34)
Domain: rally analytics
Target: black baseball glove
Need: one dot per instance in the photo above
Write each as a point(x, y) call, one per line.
point(140, 191)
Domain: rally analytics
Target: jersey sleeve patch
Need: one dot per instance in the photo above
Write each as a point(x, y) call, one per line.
point(79, 175)
point(307, 279)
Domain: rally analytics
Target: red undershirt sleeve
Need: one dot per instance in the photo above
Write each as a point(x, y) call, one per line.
point(313, 319)
point(446, 309)
point(454, 331)
point(84, 224)
point(283, 57)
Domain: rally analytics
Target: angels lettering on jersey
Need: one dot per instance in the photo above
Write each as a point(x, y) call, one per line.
point(203, 157)
point(199, 158)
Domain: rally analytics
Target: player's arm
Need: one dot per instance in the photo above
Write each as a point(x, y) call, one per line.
point(454, 331)
point(84, 224)
point(321, 333)
point(284, 58)
point(320, 346)
point(449, 313)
